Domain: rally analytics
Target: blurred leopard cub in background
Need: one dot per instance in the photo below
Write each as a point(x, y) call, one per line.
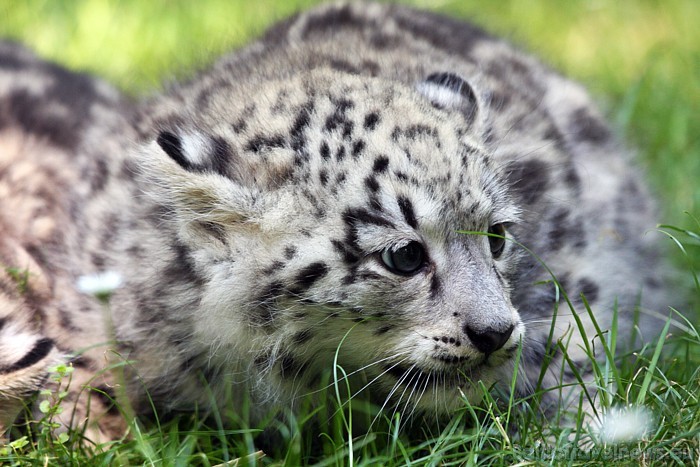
point(312, 188)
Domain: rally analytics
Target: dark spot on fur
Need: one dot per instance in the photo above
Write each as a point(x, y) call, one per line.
point(39, 350)
point(589, 289)
point(396, 134)
point(351, 278)
point(372, 184)
point(73, 93)
point(290, 251)
point(334, 19)
point(434, 286)
point(343, 65)
point(529, 179)
point(586, 127)
point(325, 151)
point(631, 188)
point(98, 260)
point(260, 143)
point(380, 164)
point(99, 176)
point(406, 208)
point(323, 177)
point(239, 125)
point(565, 231)
point(357, 148)
point(340, 155)
point(301, 122)
point(572, 179)
point(371, 121)
point(220, 156)
point(371, 67)
point(338, 119)
point(558, 235)
point(552, 134)
point(310, 274)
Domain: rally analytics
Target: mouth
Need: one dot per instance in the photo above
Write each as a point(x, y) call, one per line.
point(449, 376)
point(449, 371)
point(452, 359)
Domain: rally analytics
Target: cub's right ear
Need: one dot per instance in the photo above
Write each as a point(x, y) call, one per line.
point(184, 174)
point(196, 152)
point(172, 145)
point(449, 91)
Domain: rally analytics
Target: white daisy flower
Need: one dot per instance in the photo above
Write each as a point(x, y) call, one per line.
point(101, 285)
point(625, 424)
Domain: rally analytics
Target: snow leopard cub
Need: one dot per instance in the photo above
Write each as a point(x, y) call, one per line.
point(317, 192)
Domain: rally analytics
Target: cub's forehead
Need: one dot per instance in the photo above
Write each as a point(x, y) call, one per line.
point(329, 136)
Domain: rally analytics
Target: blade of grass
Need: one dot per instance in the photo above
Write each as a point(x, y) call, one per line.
point(652, 364)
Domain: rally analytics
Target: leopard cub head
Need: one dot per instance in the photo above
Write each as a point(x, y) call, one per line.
point(332, 214)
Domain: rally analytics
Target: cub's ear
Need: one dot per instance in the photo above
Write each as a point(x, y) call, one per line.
point(196, 152)
point(186, 177)
point(450, 91)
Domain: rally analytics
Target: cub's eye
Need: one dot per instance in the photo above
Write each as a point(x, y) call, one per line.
point(497, 244)
point(405, 260)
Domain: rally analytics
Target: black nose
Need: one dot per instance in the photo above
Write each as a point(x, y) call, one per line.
point(488, 341)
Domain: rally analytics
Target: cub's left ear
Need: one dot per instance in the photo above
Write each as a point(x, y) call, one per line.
point(450, 91)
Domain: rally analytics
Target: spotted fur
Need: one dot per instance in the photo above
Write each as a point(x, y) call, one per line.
point(296, 201)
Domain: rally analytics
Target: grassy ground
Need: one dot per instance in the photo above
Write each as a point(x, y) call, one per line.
point(641, 58)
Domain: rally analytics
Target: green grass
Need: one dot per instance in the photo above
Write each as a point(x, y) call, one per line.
point(640, 58)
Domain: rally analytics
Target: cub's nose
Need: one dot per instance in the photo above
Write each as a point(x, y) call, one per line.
point(488, 341)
